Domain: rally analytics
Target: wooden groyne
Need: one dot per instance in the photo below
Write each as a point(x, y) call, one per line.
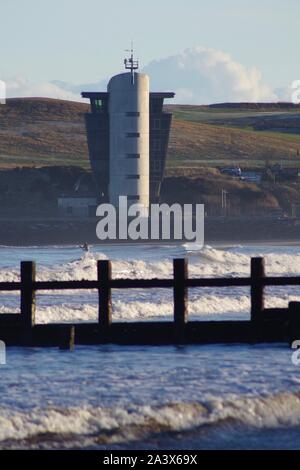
point(265, 325)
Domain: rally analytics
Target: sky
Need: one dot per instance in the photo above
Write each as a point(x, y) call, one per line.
point(43, 43)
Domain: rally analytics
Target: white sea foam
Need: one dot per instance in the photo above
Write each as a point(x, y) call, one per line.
point(147, 391)
point(204, 263)
point(89, 425)
point(141, 304)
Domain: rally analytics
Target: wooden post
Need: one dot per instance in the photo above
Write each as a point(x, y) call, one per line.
point(28, 297)
point(105, 304)
point(180, 270)
point(294, 321)
point(257, 289)
point(67, 337)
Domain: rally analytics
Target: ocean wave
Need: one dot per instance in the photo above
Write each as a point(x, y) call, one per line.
point(88, 426)
point(203, 263)
point(134, 304)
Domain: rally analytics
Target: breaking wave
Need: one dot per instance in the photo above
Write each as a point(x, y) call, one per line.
point(98, 426)
point(207, 262)
point(72, 306)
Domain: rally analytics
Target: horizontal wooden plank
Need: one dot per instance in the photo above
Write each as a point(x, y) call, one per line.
point(114, 283)
point(281, 281)
point(143, 283)
point(65, 285)
point(10, 286)
point(9, 318)
point(152, 283)
point(151, 333)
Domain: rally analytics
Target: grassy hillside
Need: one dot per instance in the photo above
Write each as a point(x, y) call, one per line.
point(42, 132)
point(52, 132)
point(198, 144)
point(246, 134)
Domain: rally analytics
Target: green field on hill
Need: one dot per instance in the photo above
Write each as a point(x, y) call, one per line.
point(39, 132)
point(44, 133)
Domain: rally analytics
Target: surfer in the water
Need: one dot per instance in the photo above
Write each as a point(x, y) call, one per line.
point(85, 247)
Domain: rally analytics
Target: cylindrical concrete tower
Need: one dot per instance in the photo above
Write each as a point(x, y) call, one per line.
point(129, 138)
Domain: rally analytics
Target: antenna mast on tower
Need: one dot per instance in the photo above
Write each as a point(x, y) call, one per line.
point(131, 64)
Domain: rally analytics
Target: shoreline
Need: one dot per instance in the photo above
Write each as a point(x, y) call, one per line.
point(75, 232)
point(221, 244)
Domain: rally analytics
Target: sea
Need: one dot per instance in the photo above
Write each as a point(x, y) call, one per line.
point(142, 397)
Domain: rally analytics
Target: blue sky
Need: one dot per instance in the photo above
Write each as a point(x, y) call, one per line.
point(84, 41)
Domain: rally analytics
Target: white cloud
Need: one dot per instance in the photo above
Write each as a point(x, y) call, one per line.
point(201, 75)
point(21, 87)
point(198, 75)
point(287, 94)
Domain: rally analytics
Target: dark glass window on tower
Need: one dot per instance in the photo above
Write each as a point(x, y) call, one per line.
point(156, 144)
point(133, 134)
point(156, 164)
point(156, 124)
point(133, 155)
point(133, 114)
point(133, 177)
point(97, 105)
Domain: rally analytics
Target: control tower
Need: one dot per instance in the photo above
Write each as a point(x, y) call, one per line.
point(129, 143)
point(128, 135)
